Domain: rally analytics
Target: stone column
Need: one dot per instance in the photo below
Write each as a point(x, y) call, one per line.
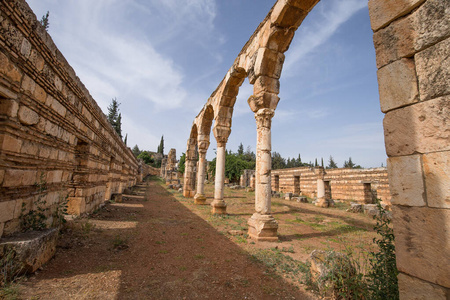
point(218, 205)
point(199, 197)
point(241, 180)
point(321, 199)
point(262, 225)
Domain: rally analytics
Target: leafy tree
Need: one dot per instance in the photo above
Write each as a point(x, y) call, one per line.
point(114, 117)
point(146, 157)
point(136, 151)
point(44, 21)
point(349, 163)
point(182, 163)
point(331, 163)
point(278, 162)
point(234, 165)
point(161, 146)
point(240, 149)
point(250, 156)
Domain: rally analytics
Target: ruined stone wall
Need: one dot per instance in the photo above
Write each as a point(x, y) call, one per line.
point(342, 184)
point(51, 130)
point(412, 45)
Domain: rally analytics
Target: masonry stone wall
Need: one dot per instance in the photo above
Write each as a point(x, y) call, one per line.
point(412, 45)
point(51, 130)
point(360, 185)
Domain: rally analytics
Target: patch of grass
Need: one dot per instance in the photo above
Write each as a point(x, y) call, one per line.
point(278, 262)
point(10, 292)
point(119, 242)
point(163, 251)
point(86, 228)
point(290, 249)
point(160, 242)
point(241, 239)
point(182, 268)
point(199, 256)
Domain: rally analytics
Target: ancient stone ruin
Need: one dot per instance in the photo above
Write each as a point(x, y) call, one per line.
point(412, 44)
point(52, 132)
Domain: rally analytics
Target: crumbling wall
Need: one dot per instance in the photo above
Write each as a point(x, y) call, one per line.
point(342, 184)
point(51, 130)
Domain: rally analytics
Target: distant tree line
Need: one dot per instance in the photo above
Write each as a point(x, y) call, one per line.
point(149, 157)
point(278, 162)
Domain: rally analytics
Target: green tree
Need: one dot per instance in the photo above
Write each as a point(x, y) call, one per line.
point(240, 149)
point(161, 146)
point(114, 117)
point(322, 163)
point(136, 151)
point(182, 163)
point(278, 162)
point(349, 163)
point(44, 21)
point(315, 163)
point(146, 157)
point(125, 139)
point(331, 163)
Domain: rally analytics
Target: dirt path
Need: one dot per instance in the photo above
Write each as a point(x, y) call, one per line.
point(152, 246)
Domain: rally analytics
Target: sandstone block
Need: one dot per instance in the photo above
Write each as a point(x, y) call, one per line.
point(305, 5)
point(31, 249)
point(25, 50)
point(266, 84)
point(268, 63)
point(40, 94)
point(59, 108)
point(437, 178)
point(422, 127)
point(395, 41)
point(29, 148)
point(14, 177)
point(384, 12)
point(7, 210)
point(397, 84)
point(416, 289)
point(285, 15)
point(9, 107)
point(433, 70)
point(406, 180)
point(9, 69)
point(432, 23)
point(28, 85)
point(421, 242)
point(2, 176)
point(11, 143)
point(28, 116)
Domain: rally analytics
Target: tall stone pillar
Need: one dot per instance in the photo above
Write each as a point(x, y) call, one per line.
point(199, 197)
point(321, 199)
point(262, 225)
point(190, 169)
point(218, 205)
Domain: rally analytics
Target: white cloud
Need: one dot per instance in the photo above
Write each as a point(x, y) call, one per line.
point(333, 14)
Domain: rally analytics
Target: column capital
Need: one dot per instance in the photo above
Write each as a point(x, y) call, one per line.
point(264, 117)
point(221, 133)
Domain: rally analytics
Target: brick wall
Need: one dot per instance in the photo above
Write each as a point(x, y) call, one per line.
point(342, 184)
point(51, 130)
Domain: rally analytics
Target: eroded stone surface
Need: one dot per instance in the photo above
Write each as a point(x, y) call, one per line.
point(437, 178)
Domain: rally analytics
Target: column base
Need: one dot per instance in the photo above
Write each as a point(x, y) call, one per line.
point(263, 228)
point(322, 202)
point(188, 194)
point(199, 199)
point(219, 207)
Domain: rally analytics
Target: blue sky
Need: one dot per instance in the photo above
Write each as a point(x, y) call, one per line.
point(162, 60)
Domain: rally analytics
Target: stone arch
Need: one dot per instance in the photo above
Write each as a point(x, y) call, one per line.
point(418, 155)
point(190, 163)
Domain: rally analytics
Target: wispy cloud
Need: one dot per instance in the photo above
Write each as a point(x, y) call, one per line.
point(332, 15)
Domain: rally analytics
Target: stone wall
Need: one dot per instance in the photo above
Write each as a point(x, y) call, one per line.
point(360, 185)
point(51, 130)
point(412, 45)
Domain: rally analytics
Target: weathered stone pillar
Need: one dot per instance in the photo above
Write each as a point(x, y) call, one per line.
point(262, 225)
point(199, 197)
point(321, 199)
point(218, 205)
point(190, 168)
point(241, 180)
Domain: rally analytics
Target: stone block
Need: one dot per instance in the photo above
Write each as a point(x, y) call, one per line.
point(32, 249)
point(433, 70)
point(268, 63)
point(15, 177)
point(2, 176)
point(397, 84)
point(25, 50)
point(9, 69)
point(383, 12)
point(287, 16)
point(27, 116)
point(406, 180)
point(7, 210)
point(432, 24)
point(421, 243)
point(76, 205)
point(422, 127)
point(395, 41)
point(59, 108)
point(415, 289)
point(437, 178)
point(266, 84)
point(11, 143)
point(29, 148)
point(9, 107)
point(40, 94)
